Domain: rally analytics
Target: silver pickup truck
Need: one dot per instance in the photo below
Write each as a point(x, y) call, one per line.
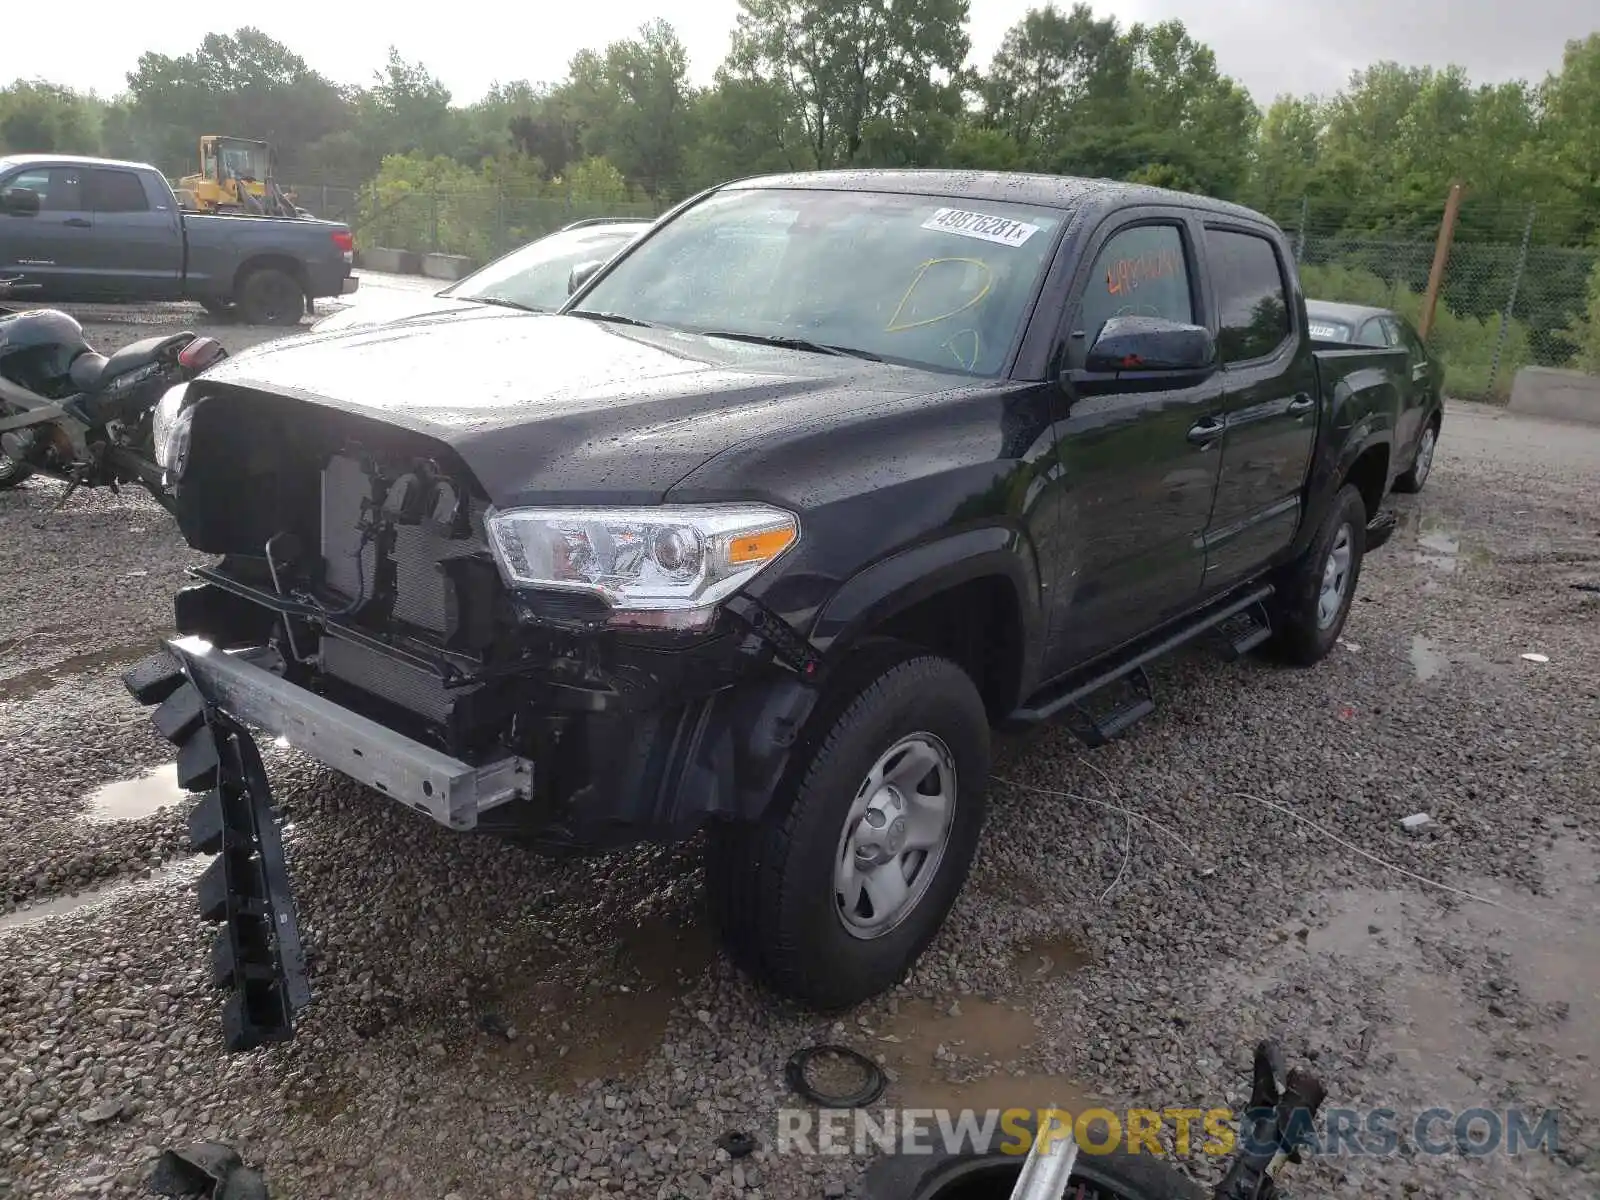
point(94, 229)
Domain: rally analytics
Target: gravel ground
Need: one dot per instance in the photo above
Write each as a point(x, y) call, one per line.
point(491, 1024)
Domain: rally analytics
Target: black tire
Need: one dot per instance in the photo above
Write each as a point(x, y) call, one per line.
point(12, 472)
point(1300, 635)
point(1114, 1173)
point(770, 886)
point(269, 296)
point(1416, 477)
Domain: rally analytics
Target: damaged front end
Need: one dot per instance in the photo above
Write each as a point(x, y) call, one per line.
point(576, 678)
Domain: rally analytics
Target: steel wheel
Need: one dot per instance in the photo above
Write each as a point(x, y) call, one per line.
point(1335, 579)
point(895, 835)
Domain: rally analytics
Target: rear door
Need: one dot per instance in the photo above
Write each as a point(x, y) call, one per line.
point(137, 247)
point(50, 247)
point(1138, 485)
point(1269, 379)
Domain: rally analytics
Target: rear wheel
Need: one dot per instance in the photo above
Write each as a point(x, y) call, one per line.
point(834, 894)
point(1315, 595)
point(269, 296)
point(1427, 445)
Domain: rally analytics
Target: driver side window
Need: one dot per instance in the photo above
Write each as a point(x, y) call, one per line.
point(1140, 272)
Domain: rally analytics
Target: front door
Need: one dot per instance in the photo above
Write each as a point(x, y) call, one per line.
point(1271, 406)
point(1137, 485)
point(47, 248)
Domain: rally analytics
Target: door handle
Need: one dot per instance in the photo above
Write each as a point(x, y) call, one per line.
point(1206, 432)
point(1302, 403)
point(79, 222)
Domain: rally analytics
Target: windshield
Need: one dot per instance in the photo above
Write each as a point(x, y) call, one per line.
point(536, 275)
point(911, 279)
point(1324, 330)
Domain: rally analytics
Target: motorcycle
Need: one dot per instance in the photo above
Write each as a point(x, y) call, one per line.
point(73, 414)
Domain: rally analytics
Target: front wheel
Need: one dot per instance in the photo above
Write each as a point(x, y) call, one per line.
point(831, 898)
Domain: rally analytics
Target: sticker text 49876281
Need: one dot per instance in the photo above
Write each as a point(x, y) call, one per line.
point(1003, 231)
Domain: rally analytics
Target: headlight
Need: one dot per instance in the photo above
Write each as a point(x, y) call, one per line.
point(170, 427)
point(665, 567)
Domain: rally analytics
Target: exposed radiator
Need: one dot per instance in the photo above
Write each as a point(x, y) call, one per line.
point(420, 587)
point(388, 678)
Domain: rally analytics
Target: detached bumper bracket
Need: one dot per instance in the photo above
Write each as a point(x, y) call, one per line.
point(258, 956)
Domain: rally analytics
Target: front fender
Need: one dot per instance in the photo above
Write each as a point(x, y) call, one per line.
point(910, 576)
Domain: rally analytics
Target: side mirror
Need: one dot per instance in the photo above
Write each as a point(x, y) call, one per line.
point(582, 273)
point(19, 202)
point(1151, 344)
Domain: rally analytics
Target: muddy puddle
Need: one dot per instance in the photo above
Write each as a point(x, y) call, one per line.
point(132, 799)
point(562, 1034)
point(967, 1052)
point(25, 685)
point(176, 874)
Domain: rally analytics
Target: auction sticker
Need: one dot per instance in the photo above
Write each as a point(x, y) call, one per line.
point(1001, 230)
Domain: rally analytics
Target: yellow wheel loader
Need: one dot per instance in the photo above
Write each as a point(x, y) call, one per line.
point(236, 176)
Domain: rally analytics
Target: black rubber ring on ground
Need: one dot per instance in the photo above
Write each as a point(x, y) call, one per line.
point(795, 1071)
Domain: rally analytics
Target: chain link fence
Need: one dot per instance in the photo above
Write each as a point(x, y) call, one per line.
point(1516, 291)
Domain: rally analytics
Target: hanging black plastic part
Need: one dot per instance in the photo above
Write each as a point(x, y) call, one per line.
point(257, 957)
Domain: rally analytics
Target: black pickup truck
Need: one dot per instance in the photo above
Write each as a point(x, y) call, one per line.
point(93, 229)
point(815, 483)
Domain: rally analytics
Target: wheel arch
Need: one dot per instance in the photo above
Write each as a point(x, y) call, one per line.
point(973, 597)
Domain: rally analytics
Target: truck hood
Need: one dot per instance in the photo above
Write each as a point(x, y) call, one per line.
point(548, 408)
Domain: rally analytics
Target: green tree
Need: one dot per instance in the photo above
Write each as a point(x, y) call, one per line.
point(1571, 130)
point(1050, 67)
point(844, 64)
point(40, 117)
point(245, 84)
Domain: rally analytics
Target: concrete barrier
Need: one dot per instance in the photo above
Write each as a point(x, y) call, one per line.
point(446, 266)
point(1548, 392)
point(394, 262)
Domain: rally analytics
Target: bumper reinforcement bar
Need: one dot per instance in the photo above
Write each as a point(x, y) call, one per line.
point(447, 789)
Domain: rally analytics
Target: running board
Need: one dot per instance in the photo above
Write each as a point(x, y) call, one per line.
point(257, 957)
point(1043, 706)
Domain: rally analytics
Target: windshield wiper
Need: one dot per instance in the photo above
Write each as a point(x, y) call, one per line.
point(614, 318)
point(794, 343)
point(502, 302)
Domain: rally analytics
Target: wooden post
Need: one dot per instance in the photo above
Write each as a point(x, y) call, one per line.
point(1441, 256)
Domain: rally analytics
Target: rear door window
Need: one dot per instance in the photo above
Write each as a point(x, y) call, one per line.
point(116, 192)
point(1252, 300)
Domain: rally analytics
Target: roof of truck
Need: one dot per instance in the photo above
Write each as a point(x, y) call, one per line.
point(1055, 191)
point(71, 160)
point(1338, 311)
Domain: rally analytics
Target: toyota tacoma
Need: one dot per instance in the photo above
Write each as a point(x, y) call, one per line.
point(760, 535)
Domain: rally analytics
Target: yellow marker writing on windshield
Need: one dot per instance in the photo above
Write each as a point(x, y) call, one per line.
point(894, 325)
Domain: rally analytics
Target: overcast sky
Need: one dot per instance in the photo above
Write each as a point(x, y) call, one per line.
point(1271, 46)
